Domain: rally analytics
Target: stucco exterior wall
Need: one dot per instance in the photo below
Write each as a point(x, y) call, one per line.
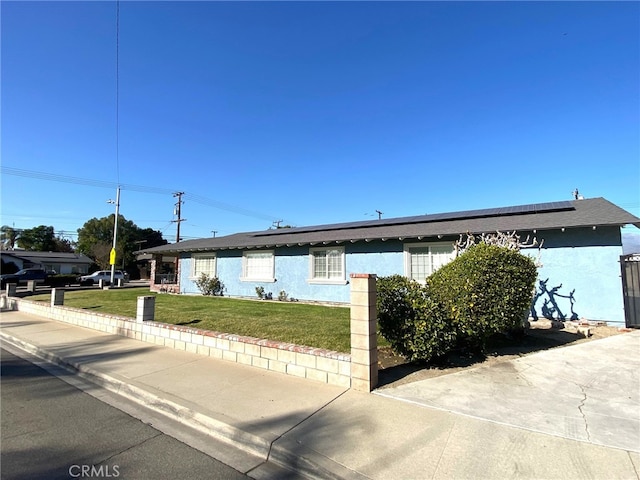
point(292, 271)
point(589, 267)
point(583, 261)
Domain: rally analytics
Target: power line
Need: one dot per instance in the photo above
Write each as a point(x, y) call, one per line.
point(52, 177)
point(118, 91)
point(228, 207)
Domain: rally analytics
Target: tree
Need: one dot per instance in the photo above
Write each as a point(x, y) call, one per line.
point(38, 239)
point(8, 237)
point(95, 239)
point(63, 245)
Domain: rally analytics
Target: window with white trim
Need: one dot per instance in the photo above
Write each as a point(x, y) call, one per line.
point(422, 259)
point(327, 265)
point(258, 266)
point(203, 263)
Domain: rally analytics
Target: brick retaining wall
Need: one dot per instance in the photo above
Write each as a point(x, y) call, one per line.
point(313, 363)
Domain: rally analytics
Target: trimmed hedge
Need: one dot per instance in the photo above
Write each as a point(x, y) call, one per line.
point(61, 280)
point(410, 320)
point(485, 290)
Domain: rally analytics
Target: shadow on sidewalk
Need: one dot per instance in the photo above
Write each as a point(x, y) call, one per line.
point(67, 353)
point(313, 446)
point(394, 368)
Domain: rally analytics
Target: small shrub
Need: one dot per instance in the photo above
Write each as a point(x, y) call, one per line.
point(283, 296)
point(209, 285)
point(260, 292)
point(484, 291)
point(61, 280)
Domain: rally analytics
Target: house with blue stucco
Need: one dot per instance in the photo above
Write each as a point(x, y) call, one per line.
point(579, 276)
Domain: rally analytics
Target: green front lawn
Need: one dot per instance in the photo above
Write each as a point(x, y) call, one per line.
point(311, 325)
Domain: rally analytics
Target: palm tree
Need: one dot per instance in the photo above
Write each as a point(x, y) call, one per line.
point(8, 237)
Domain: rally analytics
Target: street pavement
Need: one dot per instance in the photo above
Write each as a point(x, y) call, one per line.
point(571, 414)
point(53, 430)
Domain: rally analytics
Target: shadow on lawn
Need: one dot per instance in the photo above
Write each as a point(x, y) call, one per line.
point(191, 322)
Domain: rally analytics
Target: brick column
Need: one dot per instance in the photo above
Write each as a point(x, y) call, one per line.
point(364, 345)
point(156, 264)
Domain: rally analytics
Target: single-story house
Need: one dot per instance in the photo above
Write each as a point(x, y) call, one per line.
point(164, 270)
point(580, 255)
point(60, 262)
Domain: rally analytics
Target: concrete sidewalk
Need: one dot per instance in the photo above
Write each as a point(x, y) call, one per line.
point(314, 429)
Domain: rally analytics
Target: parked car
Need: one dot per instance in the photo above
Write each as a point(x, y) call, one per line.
point(104, 275)
point(23, 276)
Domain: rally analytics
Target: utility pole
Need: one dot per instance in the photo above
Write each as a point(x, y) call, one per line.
point(112, 255)
point(178, 211)
point(379, 214)
point(276, 223)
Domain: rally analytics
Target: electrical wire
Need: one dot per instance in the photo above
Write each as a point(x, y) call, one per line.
point(118, 91)
point(52, 177)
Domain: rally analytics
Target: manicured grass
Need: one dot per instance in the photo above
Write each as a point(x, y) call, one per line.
point(311, 325)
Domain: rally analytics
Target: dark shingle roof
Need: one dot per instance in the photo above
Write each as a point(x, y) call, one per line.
point(541, 216)
point(49, 257)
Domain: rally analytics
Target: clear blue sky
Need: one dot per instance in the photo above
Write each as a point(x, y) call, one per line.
point(314, 113)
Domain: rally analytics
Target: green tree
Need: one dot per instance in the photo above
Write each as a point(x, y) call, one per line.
point(95, 239)
point(8, 237)
point(63, 245)
point(38, 239)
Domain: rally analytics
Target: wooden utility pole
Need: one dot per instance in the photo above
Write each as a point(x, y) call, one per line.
point(178, 212)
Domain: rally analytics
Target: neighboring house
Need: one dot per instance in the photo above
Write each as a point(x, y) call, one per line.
point(164, 270)
point(60, 262)
point(580, 276)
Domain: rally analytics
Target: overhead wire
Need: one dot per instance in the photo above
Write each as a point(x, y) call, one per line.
point(19, 172)
point(118, 91)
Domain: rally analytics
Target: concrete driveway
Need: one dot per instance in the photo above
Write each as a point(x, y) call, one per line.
point(588, 392)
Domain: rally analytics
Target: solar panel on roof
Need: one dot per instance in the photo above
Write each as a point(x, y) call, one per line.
point(436, 217)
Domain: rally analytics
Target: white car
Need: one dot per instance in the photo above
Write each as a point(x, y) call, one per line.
point(104, 275)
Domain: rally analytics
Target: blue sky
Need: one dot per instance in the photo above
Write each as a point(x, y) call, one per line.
point(313, 112)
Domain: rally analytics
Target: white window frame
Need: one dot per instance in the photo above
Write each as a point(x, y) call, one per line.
point(270, 277)
point(196, 272)
point(341, 280)
point(407, 256)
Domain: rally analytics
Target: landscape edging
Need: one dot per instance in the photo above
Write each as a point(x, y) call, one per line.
point(316, 364)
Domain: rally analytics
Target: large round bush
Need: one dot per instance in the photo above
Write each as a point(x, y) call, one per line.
point(485, 290)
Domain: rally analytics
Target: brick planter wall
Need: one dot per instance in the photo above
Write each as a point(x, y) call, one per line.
point(313, 363)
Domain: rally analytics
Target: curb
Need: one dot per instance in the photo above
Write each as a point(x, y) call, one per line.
point(238, 438)
point(280, 455)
